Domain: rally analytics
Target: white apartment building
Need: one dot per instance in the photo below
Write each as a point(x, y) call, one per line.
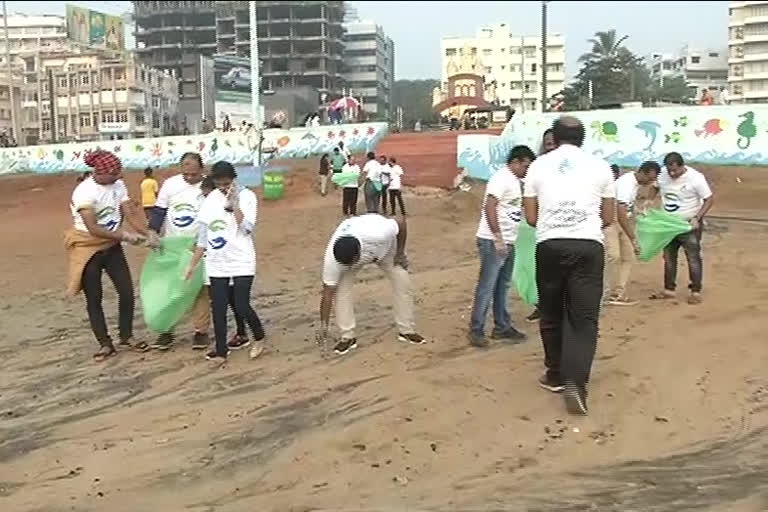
point(701, 69)
point(29, 33)
point(748, 52)
point(369, 64)
point(511, 64)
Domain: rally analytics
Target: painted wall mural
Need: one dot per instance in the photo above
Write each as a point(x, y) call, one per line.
point(165, 151)
point(722, 135)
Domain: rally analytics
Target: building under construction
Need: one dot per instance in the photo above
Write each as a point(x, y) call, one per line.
point(300, 43)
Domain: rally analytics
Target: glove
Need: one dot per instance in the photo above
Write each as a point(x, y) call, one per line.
point(132, 238)
point(401, 260)
point(153, 240)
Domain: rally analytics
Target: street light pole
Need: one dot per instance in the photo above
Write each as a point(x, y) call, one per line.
point(544, 101)
point(14, 125)
point(255, 81)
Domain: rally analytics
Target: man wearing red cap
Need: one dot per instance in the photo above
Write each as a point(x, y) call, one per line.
point(99, 204)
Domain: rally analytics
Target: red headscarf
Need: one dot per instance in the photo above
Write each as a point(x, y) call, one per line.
point(103, 162)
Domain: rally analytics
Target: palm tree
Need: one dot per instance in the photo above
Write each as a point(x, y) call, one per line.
point(604, 45)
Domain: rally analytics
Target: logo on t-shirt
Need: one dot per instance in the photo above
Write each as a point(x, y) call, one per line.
point(105, 213)
point(187, 214)
point(218, 242)
point(671, 202)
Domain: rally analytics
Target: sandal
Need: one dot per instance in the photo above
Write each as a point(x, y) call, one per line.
point(662, 295)
point(105, 351)
point(139, 346)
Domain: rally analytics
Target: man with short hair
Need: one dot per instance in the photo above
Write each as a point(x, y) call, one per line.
point(496, 235)
point(569, 197)
point(686, 194)
point(620, 241)
point(338, 160)
point(358, 241)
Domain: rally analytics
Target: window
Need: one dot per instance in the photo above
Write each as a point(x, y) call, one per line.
point(714, 54)
point(140, 121)
point(533, 68)
point(122, 116)
point(74, 124)
point(107, 117)
point(514, 68)
point(488, 70)
point(155, 102)
point(85, 121)
point(46, 125)
point(514, 85)
point(450, 52)
point(514, 50)
point(487, 52)
point(63, 82)
point(530, 53)
point(695, 60)
point(156, 122)
point(503, 67)
point(120, 74)
point(85, 79)
point(502, 50)
point(737, 89)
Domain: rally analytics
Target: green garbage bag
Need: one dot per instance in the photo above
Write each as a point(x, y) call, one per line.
point(378, 186)
point(274, 186)
point(524, 270)
point(165, 295)
point(655, 229)
point(343, 179)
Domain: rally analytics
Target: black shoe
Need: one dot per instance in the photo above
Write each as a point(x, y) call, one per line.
point(258, 336)
point(345, 346)
point(200, 341)
point(533, 317)
point(510, 335)
point(237, 342)
point(575, 399)
point(550, 383)
point(215, 356)
point(413, 338)
point(477, 340)
point(164, 341)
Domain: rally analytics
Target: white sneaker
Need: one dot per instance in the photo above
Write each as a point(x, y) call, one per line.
point(256, 350)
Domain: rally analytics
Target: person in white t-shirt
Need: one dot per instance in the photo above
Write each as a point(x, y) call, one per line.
point(569, 199)
point(685, 193)
point(620, 242)
point(500, 218)
point(175, 215)
point(395, 186)
point(349, 191)
point(359, 241)
point(385, 177)
point(227, 219)
point(99, 205)
point(372, 183)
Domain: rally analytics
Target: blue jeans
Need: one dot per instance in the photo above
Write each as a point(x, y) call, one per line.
point(492, 284)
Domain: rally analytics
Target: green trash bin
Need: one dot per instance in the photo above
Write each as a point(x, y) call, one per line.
point(274, 185)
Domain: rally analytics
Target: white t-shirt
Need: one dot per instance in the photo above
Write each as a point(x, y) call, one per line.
point(104, 200)
point(397, 177)
point(229, 248)
point(182, 202)
point(378, 240)
point(372, 170)
point(506, 188)
point(385, 174)
point(351, 168)
point(626, 190)
point(570, 185)
point(684, 195)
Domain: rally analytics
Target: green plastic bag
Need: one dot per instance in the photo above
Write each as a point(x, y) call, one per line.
point(524, 270)
point(377, 186)
point(343, 179)
point(165, 295)
point(274, 186)
point(655, 230)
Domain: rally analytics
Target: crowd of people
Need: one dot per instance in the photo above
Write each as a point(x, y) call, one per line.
point(582, 211)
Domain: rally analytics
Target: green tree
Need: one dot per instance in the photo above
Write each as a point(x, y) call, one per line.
point(605, 45)
point(415, 97)
point(673, 89)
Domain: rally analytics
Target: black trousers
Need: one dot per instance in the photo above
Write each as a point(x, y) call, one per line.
point(569, 275)
point(349, 201)
point(112, 261)
point(241, 299)
point(384, 196)
point(396, 195)
point(691, 244)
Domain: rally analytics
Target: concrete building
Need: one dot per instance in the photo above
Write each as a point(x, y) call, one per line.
point(31, 33)
point(300, 43)
point(701, 69)
point(96, 98)
point(748, 52)
point(369, 64)
point(511, 64)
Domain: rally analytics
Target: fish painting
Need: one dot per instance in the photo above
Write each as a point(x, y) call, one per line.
point(284, 140)
point(650, 128)
point(673, 137)
point(711, 128)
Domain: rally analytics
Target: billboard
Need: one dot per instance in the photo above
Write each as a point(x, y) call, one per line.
point(232, 78)
point(93, 28)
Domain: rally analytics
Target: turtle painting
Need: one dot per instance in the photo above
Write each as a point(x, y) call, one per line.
point(607, 131)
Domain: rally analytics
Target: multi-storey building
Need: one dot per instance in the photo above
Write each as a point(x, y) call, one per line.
point(96, 97)
point(748, 52)
point(511, 64)
point(32, 33)
point(369, 59)
point(701, 69)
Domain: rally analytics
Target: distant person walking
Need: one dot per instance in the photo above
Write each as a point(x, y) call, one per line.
point(372, 183)
point(686, 194)
point(395, 186)
point(496, 235)
point(149, 189)
point(350, 190)
point(385, 177)
point(325, 168)
point(569, 197)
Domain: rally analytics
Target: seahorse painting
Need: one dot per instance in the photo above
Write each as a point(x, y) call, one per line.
point(746, 130)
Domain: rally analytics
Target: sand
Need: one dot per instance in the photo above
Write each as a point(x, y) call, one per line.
point(678, 403)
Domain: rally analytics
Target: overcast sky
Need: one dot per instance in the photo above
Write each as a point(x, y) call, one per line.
point(416, 27)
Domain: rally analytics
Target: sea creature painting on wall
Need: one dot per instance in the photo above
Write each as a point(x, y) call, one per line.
point(674, 138)
point(650, 129)
point(746, 130)
point(711, 128)
point(607, 131)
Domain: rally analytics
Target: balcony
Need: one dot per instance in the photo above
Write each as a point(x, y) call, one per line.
point(756, 38)
point(752, 95)
point(753, 57)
